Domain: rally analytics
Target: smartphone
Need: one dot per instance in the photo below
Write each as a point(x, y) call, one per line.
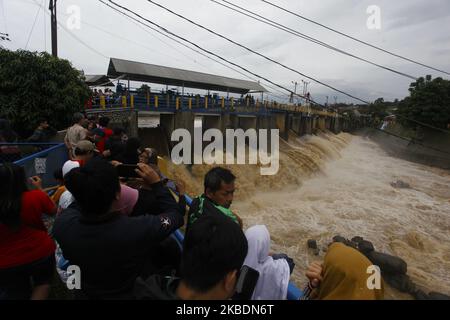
point(246, 283)
point(127, 171)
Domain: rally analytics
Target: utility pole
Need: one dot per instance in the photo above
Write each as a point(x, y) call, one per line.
point(305, 88)
point(52, 8)
point(327, 101)
point(295, 90)
point(335, 100)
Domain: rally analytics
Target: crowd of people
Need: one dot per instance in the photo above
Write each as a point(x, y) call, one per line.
point(10, 150)
point(113, 215)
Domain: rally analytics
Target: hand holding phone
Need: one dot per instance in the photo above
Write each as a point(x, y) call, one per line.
point(36, 181)
point(127, 171)
point(149, 175)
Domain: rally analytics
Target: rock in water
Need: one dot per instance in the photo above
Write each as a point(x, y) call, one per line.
point(438, 296)
point(345, 241)
point(388, 263)
point(401, 282)
point(365, 247)
point(339, 239)
point(357, 239)
point(399, 184)
point(312, 244)
point(420, 295)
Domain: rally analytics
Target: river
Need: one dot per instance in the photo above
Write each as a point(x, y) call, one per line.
point(341, 185)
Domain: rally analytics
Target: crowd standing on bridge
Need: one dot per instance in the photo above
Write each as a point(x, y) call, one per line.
point(115, 211)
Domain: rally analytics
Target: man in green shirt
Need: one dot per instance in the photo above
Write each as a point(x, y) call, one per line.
point(218, 196)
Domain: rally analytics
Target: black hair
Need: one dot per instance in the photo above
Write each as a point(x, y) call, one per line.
point(215, 177)
point(118, 131)
point(152, 157)
point(92, 118)
point(79, 152)
point(13, 185)
point(103, 121)
point(131, 151)
point(77, 117)
point(42, 120)
point(214, 246)
point(94, 187)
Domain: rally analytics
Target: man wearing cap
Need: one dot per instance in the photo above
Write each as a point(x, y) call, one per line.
point(83, 152)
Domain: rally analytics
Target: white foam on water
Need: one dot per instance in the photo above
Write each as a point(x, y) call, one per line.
point(341, 184)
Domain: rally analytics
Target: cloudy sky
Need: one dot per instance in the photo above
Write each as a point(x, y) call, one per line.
point(417, 29)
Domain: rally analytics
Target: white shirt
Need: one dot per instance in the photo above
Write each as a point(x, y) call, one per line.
point(65, 200)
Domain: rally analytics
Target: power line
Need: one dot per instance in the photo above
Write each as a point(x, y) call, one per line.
point(423, 124)
point(122, 38)
point(413, 141)
point(184, 45)
point(34, 23)
point(355, 39)
point(207, 51)
point(179, 42)
point(257, 53)
point(110, 33)
point(72, 34)
point(306, 37)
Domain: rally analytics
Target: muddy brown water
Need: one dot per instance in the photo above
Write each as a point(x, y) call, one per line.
point(341, 185)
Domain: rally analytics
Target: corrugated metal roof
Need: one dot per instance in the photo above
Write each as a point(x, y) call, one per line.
point(137, 71)
point(98, 80)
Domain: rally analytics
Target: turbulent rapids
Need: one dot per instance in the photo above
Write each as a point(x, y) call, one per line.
point(341, 185)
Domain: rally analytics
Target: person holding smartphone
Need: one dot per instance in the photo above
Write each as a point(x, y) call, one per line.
point(110, 248)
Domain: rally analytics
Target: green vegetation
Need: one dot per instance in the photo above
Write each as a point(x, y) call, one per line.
point(428, 102)
point(37, 85)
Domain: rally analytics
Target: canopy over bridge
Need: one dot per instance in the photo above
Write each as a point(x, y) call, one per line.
point(144, 72)
point(98, 80)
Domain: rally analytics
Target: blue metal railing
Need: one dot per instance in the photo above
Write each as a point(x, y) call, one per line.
point(44, 163)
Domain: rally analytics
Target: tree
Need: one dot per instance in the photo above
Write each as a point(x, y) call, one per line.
point(37, 85)
point(378, 109)
point(428, 102)
point(143, 89)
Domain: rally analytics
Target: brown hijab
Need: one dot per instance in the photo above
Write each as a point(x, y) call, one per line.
point(345, 276)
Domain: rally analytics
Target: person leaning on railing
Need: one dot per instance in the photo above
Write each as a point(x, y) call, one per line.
point(43, 133)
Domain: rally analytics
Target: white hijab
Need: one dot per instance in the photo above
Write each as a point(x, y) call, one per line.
point(273, 274)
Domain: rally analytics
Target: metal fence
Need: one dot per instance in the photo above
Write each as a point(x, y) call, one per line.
point(45, 162)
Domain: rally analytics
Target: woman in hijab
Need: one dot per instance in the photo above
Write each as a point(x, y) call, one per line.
point(343, 276)
point(274, 274)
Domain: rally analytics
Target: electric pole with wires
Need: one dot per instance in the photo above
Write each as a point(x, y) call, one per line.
point(54, 26)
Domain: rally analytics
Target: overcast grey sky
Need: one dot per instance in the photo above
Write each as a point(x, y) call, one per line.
point(418, 29)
